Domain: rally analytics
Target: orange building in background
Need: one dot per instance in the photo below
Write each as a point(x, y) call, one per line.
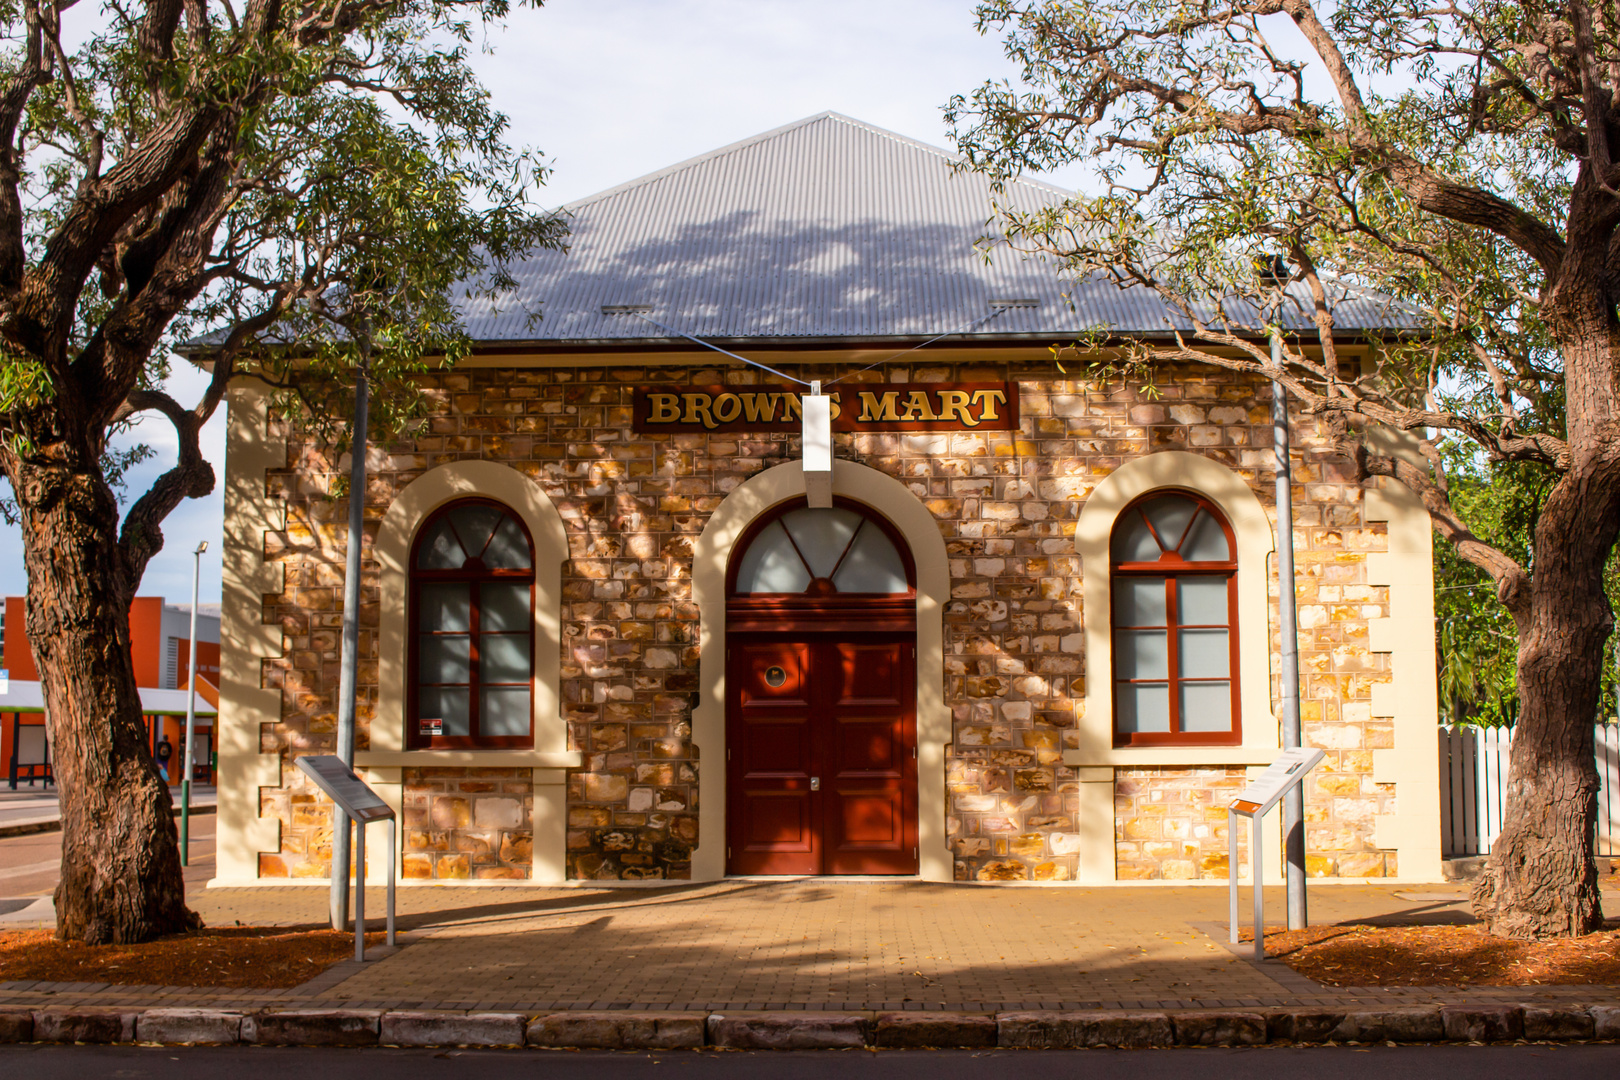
point(160, 646)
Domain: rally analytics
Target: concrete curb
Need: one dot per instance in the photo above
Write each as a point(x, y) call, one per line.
point(794, 1029)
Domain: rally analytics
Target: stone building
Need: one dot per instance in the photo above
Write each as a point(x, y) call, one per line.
point(605, 637)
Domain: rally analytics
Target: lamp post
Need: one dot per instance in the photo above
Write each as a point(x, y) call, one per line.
point(1293, 803)
point(191, 714)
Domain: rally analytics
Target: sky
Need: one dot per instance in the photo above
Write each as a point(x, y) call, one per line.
point(610, 90)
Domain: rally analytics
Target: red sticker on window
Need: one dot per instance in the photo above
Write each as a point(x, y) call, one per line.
point(430, 727)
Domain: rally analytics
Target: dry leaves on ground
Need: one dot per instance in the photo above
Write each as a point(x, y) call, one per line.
point(1446, 955)
point(234, 957)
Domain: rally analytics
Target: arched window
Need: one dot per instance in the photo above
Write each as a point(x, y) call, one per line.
point(1174, 623)
point(472, 629)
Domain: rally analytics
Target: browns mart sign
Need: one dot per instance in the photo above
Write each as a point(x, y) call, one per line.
point(857, 407)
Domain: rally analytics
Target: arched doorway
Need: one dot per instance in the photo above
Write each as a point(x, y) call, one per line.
point(821, 702)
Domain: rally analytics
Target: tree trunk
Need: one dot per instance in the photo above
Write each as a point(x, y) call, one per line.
point(121, 878)
point(1541, 878)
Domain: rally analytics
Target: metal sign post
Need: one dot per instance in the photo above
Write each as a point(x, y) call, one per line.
point(1282, 776)
point(354, 801)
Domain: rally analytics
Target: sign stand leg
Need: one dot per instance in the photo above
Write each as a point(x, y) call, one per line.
point(1259, 889)
point(1232, 828)
point(393, 855)
point(359, 890)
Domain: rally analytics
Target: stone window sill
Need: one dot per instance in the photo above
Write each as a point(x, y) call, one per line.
point(477, 759)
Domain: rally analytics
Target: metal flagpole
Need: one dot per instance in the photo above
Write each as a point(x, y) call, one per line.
point(1293, 806)
point(339, 905)
point(188, 755)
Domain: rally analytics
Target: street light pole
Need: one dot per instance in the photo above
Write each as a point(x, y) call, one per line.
point(339, 904)
point(1293, 807)
point(188, 755)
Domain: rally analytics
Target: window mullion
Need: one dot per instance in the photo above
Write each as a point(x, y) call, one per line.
point(1172, 652)
point(474, 601)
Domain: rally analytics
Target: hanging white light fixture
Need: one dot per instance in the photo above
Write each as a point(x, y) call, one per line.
point(816, 410)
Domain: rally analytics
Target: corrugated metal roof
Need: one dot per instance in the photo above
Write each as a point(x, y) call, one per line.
point(827, 229)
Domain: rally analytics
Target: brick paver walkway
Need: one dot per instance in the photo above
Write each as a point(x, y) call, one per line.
point(812, 944)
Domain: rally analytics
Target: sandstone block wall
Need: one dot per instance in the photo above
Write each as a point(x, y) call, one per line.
point(1006, 504)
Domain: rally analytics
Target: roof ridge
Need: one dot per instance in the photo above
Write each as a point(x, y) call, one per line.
point(752, 140)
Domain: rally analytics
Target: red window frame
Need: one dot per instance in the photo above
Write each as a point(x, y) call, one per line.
point(475, 579)
point(1172, 567)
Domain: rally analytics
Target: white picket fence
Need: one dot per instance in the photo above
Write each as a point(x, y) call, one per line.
point(1473, 788)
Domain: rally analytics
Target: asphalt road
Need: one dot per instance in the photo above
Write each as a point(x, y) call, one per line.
point(29, 864)
point(1277, 1063)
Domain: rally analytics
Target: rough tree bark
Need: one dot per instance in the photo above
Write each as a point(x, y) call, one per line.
point(1541, 878)
point(121, 879)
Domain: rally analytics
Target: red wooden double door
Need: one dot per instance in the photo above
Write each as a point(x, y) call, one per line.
point(821, 737)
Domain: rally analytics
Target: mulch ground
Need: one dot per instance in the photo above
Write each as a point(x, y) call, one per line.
point(1443, 956)
point(231, 957)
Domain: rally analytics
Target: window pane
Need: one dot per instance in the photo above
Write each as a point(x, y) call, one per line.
point(1206, 706)
point(504, 710)
point(444, 658)
point(445, 606)
point(504, 607)
point(474, 523)
point(822, 534)
point(1207, 542)
point(508, 549)
point(445, 703)
point(440, 549)
point(1142, 707)
point(1201, 601)
point(1205, 654)
point(1170, 515)
point(1133, 542)
point(1140, 654)
point(1139, 601)
point(771, 566)
point(503, 658)
point(872, 565)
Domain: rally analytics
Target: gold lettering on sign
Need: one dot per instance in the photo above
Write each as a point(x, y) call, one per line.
point(877, 410)
point(727, 407)
point(989, 398)
point(697, 409)
point(953, 405)
point(664, 408)
point(918, 408)
point(760, 408)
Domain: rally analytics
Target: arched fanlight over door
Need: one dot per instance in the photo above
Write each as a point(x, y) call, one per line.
point(821, 565)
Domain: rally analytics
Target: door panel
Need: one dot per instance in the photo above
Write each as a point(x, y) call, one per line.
point(824, 709)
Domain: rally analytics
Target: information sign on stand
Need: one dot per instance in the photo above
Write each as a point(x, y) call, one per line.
point(1262, 793)
point(358, 803)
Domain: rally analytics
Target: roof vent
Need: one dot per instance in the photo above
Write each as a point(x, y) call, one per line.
point(1014, 301)
point(626, 309)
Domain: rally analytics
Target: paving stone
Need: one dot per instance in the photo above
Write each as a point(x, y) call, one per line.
point(1605, 1021)
point(1305, 1026)
point(788, 1030)
point(407, 1028)
point(1217, 1027)
point(84, 1026)
point(1497, 1023)
point(211, 1026)
point(16, 1026)
point(1062, 1030)
point(615, 1030)
point(313, 1027)
point(1555, 1024)
point(1423, 1024)
point(914, 1030)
